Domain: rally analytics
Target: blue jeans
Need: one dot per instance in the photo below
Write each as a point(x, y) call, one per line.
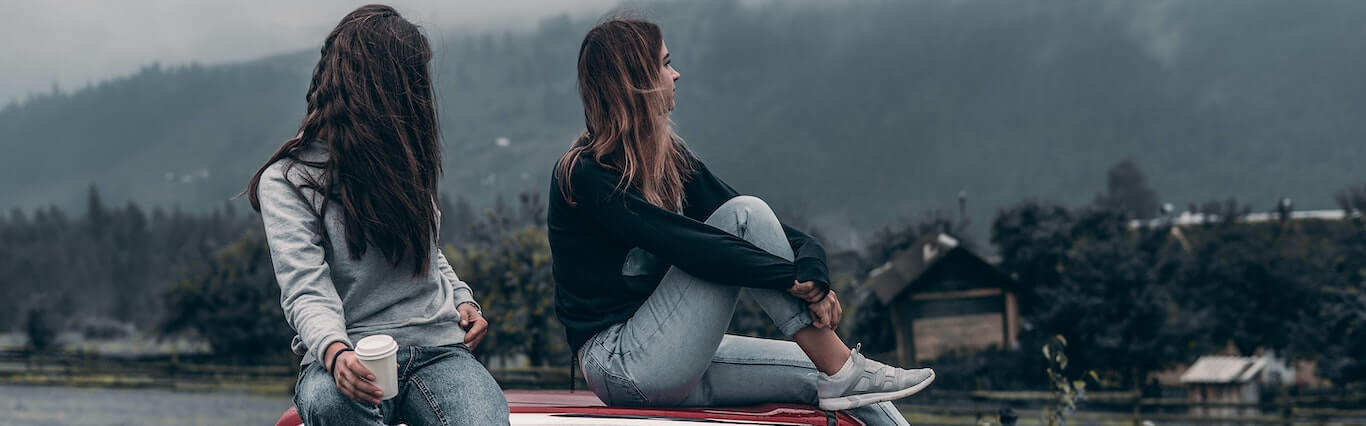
point(441, 385)
point(674, 350)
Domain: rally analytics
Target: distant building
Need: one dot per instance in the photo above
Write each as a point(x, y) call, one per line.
point(1189, 218)
point(944, 299)
point(1232, 380)
point(1289, 373)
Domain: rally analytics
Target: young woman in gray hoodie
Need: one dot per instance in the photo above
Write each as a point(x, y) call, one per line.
point(349, 207)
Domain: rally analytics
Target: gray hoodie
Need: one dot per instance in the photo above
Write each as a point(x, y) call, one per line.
point(329, 297)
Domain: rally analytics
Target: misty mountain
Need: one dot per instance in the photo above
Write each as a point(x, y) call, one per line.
point(854, 114)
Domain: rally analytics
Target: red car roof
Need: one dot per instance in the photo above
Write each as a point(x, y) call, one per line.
point(583, 408)
point(564, 407)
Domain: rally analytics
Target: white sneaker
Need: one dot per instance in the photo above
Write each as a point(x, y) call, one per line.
point(862, 382)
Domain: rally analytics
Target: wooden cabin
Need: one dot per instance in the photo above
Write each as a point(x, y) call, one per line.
point(1226, 380)
point(946, 299)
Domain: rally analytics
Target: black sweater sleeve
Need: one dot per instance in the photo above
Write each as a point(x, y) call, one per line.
point(810, 257)
point(706, 192)
point(700, 249)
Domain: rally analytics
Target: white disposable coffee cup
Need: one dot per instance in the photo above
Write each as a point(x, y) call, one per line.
point(378, 353)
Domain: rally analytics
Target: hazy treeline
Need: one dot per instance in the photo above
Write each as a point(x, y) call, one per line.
point(120, 266)
point(106, 262)
point(1130, 299)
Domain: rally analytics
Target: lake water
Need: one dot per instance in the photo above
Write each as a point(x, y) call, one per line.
point(49, 405)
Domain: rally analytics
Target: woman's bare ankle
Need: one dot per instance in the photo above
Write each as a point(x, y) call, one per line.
point(824, 348)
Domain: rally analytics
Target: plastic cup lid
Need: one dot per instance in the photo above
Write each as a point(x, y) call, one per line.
point(376, 347)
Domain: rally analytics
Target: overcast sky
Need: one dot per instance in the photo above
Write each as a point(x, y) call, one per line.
point(73, 43)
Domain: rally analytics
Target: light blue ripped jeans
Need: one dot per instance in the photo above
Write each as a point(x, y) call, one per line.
point(674, 350)
point(438, 385)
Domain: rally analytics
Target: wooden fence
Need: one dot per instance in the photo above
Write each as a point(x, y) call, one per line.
point(1340, 408)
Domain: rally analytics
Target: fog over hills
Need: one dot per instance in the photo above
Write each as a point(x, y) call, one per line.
point(854, 114)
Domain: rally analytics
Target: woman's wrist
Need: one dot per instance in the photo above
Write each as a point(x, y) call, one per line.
point(810, 291)
point(824, 294)
point(331, 354)
point(472, 303)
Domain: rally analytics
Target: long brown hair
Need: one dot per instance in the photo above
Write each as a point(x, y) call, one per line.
point(370, 104)
point(626, 112)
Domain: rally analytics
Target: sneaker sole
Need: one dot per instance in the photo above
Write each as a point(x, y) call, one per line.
point(863, 400)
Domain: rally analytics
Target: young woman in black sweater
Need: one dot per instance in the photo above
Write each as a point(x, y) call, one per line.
point(651, 251)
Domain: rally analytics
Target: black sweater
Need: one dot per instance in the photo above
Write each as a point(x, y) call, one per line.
point(589, 242)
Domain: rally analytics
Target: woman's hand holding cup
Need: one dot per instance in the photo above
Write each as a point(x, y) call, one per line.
point(352, 378)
